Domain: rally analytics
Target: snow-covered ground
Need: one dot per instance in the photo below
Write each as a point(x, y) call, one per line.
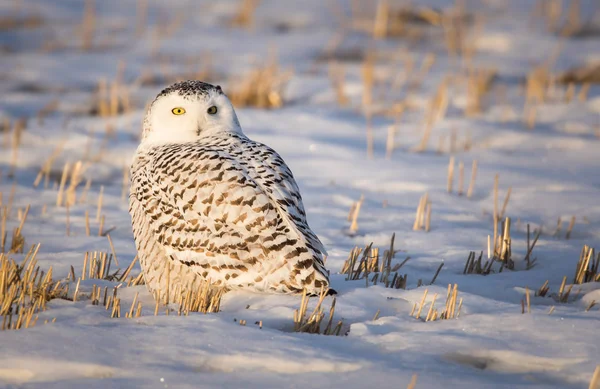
point(552, 171)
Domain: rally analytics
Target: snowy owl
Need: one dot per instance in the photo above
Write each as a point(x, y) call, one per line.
point(207, 203)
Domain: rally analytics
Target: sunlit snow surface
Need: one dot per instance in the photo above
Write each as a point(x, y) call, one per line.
point(553, 172)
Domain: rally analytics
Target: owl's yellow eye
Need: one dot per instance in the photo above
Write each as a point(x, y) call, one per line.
point(178, 111)
point(212, 110)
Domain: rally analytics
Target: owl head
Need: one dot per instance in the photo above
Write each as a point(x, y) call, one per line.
point(188, 111)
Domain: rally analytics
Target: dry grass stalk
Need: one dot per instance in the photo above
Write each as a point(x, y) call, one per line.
point(96, 265)
point(75, 180)
point(244, 16)
point(428, 217)
point(87, 223)
point(537, 84)
point(413, 382)
point(588, 266)
point(476, 266)
point(531, 263)
point(543, 290)
point(312, 323)
point(376, 316)
point(205, 299)
point(437, 272)
point(527, 301)
point(100, 202)
point(479, 82)
point(17, 133)
point(583, 92)
point(473, 176)
point(506, 199)
point(461, 177)
point(111, 99)
point(368, 79)
point(423, 215)
point(505, 245)
point(563, 292)
point(590, 305)
point(112, 249)
point(86, 189)
point(390, 143)
point(24, 290)
point(354, 212)
point(63, 181)
point(380, 25)
point(88, 25)
point(558, 226)
point(438, 107)
point(450, 175)
point(570, 228)
point(101, 226)
point(47, 166)
point(363, 262)
point(454, 33)
point(261, 88)
point(595, 381)
point(4, 213)
point(451, 310)
point(539, 80)
point(572, 25)
point(502, 253)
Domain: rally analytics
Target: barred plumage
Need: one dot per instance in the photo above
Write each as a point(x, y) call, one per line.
point(209, 203)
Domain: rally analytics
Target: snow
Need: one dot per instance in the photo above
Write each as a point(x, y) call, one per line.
point(552, 171)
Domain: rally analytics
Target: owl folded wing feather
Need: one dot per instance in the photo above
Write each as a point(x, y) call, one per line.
point(208, 210)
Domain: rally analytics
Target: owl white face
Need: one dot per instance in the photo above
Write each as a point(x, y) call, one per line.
point(187, 112)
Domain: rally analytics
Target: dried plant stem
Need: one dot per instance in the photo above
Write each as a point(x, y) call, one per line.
point(570, 228)
point(461, 177)
point(112, 249)
point(355, 213)
point(87, 223)
point(100, 202)
point(473, 176)
point(506, 199)
point(63, 180)
point(595, 381)
point(413, 382)
point(422, 304)
point(450, 175)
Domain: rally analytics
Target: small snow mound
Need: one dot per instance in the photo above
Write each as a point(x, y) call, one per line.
point(45, 370)
point(239, 362)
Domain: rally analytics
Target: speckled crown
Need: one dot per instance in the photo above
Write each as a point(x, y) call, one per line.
point(191, 88)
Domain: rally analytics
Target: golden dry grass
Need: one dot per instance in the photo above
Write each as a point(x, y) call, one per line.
point(451, 309)
point(312, 323)
point(262, 87)
point(25, 290)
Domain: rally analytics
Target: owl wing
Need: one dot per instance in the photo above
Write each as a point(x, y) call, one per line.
point(204, 203)
point(271, 172)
